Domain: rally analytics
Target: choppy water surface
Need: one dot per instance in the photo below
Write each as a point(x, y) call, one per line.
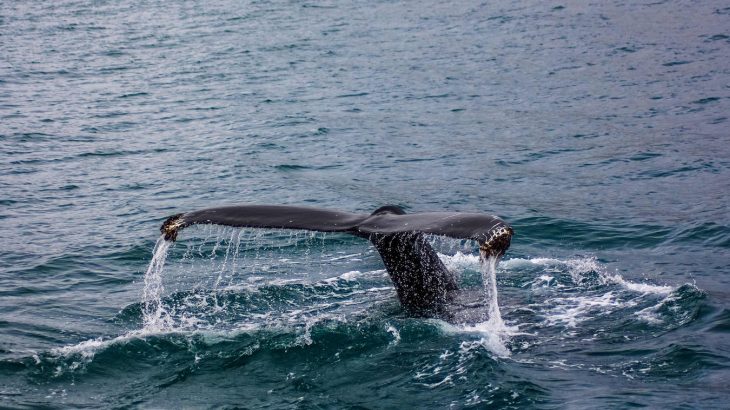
point(598, 130)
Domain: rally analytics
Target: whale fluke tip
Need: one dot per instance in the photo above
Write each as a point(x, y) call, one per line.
point(497, 243)
point(170, 227)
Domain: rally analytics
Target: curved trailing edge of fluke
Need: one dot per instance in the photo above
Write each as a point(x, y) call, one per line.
point(424, 285)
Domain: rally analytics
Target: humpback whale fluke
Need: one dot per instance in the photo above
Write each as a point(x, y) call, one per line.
point(423, 284)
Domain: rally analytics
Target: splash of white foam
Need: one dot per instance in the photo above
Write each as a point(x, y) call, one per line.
point(347, 276)
point(393, 331)
point(579, 267)
point(545, 281)
point(492, 339)
point(460, 261)
point(573, 310)
point(650, 315)
point(653, 315)
point(88, 348)
point(85, 349)
point(640, 287)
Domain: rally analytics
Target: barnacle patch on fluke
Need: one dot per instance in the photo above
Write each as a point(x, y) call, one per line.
point(497, 243)
point(171, 226)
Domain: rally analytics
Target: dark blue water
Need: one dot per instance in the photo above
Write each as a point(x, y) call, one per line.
point(598, 130)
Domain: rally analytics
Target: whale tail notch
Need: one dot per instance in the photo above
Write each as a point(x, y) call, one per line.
point(423, 284)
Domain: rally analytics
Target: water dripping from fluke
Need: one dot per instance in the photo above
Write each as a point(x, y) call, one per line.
point(489, 279)
point(154, 315)
point(267, 280)
point(422, 282)
point(494, 333)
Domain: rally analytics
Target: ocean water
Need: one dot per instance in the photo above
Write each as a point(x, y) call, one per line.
point(599, 130)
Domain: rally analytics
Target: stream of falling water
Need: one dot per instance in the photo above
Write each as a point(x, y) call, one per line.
point(154, 314)
point(489, 279)
point(495, 334)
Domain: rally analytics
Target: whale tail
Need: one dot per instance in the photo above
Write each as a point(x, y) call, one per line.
point(423, 284)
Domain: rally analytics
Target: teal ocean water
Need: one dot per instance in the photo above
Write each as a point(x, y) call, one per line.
point(598, 130)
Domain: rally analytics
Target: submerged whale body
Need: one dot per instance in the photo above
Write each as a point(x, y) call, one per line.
point(425, 287)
